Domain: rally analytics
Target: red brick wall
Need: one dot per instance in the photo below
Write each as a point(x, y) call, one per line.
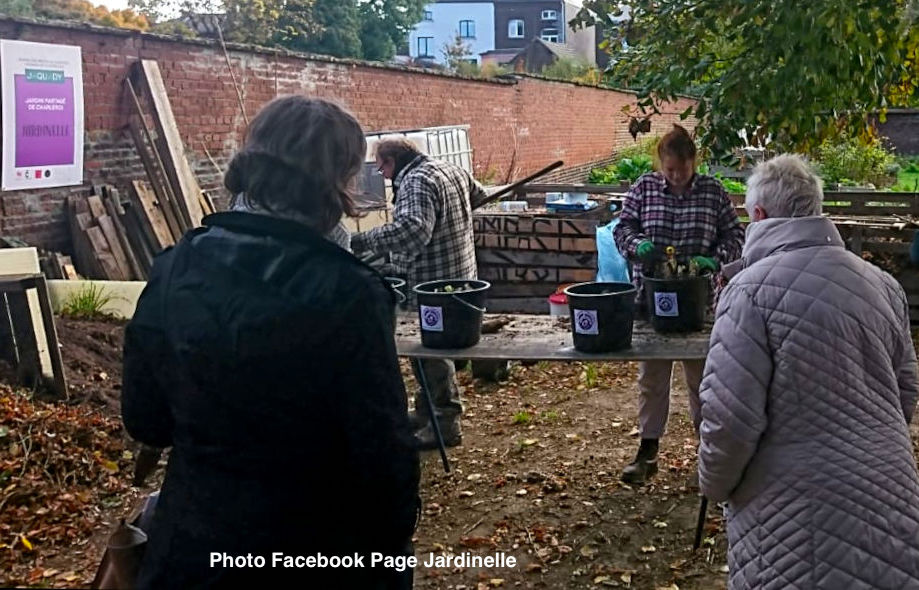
point(516, 126)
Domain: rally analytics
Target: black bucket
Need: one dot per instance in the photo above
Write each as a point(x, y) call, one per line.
point(601, 315)
point(451, 319)
point(677, 305)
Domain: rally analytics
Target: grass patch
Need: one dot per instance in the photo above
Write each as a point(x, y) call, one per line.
point(550, 416)
point(87, 303)
point(522, 418)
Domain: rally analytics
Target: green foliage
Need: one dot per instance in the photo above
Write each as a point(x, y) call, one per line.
point(20, 8)
point(629, 169)
point(850, 160)
point(645, 147)
point(522, 418)
point(385, 24)
point(492, 70)
point(908, 175)
point(339, 35)
point(88, 302)
point(550, 416)
point(731, 185)
point(75, 10)
point(343, 28)
point(457, 54)
point(590, 375)
point(786, 73)
point(572, 70)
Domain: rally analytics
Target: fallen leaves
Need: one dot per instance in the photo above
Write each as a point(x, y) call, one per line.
point(59, 464)
point(589, 551)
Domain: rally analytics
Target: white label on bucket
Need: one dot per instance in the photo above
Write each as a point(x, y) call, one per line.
point(665, 305)
point(585, 321)
point(432, 318)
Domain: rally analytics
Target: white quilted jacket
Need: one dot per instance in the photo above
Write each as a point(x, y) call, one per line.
point(809, 386)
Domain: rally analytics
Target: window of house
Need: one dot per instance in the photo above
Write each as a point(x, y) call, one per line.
point(550, 35)
point(425, 46)
point(467, 29)
point(549, 15)
point(428, 15)
point(515, 28)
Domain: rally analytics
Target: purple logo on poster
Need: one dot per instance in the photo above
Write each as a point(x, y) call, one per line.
point(44, 122)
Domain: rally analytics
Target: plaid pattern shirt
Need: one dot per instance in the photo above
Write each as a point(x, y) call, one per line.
point(702, 222)
point(430, 236)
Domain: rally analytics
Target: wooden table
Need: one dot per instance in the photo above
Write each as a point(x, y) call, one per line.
point(548, 338)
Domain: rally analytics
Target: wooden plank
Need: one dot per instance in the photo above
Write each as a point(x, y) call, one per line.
point(574, 188)
point(537, 290)
point(541, 337)
point(54, 349)
point(103, 253)
point(116, 211)
point(138, 238)
point(70, 272)
point(525, 258)
point(90, 268)
point(534, 224)
point(96, 208)
point(24, 311)
point(553, 276)
point(156, 175)
point(180, 174)
point(150, 216)
point(111, 236)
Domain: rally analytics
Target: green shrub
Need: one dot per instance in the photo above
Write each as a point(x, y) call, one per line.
point(645, 147)
point(629, 169)
point(849, 160)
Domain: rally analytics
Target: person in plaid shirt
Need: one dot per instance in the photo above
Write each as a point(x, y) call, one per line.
point(430, 238)
point(691, 212)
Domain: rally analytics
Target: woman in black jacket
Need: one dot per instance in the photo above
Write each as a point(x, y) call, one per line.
point(262, 352)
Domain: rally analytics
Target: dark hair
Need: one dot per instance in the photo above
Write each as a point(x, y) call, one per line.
point(301, 155)
point(677, 143)
point(400, 149)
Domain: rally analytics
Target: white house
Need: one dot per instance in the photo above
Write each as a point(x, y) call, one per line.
point(474, 22)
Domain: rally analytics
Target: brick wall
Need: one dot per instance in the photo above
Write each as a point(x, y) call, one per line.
point(517, 126)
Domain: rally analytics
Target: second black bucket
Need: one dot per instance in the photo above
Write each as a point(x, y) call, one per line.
point(450, 312)
point(677, 305)
point(601, 315)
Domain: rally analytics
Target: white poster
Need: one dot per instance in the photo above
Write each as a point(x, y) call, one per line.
point(42, 115)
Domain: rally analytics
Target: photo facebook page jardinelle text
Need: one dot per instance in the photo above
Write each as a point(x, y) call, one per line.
point(398, 563)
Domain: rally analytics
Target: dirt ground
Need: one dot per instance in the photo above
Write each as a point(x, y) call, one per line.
point(536, 478)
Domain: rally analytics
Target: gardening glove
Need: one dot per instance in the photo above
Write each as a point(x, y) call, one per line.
point(706, 263)
point(647, 251)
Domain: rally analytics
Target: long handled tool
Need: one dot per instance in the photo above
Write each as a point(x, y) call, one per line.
point(426, 393)
point(512, 187)
point(700, 526)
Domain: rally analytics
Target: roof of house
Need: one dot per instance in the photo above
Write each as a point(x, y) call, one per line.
point(560, 50)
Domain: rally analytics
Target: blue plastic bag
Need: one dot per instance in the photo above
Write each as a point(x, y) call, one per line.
point(612, 267)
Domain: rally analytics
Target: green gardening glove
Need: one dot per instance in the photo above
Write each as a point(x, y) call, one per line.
point(706, 263)
point(646, 250)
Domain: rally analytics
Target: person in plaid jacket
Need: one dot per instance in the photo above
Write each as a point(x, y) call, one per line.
point(691, 212)
point(430, 238)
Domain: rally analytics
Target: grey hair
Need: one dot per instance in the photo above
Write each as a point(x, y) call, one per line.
point(785, 186)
